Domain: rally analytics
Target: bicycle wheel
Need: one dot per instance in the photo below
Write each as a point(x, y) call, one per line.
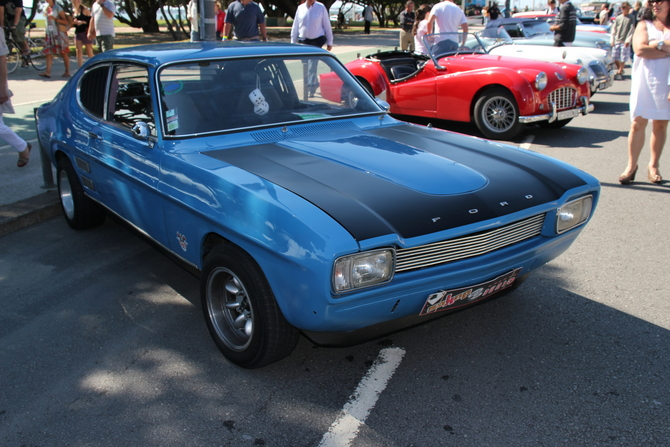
point(13, 57)
point(37, 58)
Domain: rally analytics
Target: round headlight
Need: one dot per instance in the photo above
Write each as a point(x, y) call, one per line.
point(582, 75)
point(541, 81)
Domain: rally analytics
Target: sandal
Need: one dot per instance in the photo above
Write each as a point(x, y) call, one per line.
point(655, 178)
point(66, 75)
point(44, 75)
point(24, 161)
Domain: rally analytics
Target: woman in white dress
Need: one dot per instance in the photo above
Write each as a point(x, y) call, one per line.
point(420, 29)
point(649, 89)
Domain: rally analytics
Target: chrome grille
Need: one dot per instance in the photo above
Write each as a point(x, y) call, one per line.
point(467, 246)
point(564, 98)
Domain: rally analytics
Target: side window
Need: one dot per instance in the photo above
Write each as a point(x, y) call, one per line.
point(92, 91)
point(130, 97)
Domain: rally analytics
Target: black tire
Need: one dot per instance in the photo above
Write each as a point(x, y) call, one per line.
point(554, 124)
point(79, 211)
point(241, 312)
point(13, 58)
point(497, 115)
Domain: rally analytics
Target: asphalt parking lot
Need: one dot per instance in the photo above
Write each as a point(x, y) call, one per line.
point(102, 341)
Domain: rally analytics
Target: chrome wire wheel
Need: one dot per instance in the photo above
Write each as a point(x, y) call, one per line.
point(500, 114)
point(229, 309)
point(65, 192)
point(497, 115)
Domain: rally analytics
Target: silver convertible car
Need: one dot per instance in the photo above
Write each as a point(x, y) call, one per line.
point(301, 214)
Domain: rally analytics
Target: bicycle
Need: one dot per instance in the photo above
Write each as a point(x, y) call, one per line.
point(15, 56)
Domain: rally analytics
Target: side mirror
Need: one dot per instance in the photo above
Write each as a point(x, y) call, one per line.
point(383, 104)
point(141, 130)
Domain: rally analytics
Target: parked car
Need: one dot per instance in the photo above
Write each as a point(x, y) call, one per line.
point(530, 31)
point(497, 41)
point(298, 211)
point(581, 26)
point(463, 83)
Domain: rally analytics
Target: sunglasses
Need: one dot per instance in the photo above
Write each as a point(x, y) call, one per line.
point(651, 2)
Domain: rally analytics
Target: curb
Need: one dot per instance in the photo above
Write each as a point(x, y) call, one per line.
point(24, 213)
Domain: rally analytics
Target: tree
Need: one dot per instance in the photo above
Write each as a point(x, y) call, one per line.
point(140, 14)
point(385, 10)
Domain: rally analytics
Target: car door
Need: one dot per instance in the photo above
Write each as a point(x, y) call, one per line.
point(129, 162)
point(416, 95)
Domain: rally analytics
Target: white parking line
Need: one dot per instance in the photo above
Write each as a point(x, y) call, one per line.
point(345, 429)
point(527, 142)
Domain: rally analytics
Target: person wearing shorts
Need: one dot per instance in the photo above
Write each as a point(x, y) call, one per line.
point(81, 40)
point(622, 37)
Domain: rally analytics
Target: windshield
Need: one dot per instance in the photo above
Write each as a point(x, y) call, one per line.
point(228, 94)
point(536, 27)
point(449, 44)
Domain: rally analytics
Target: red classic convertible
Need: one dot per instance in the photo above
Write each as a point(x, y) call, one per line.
point(463, 83)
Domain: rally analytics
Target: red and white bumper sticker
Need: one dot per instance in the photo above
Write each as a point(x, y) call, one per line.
point(451, 299)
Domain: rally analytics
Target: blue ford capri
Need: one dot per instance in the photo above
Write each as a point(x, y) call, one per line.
point(301, 212)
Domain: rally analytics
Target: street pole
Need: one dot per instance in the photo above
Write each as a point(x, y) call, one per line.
point(208, 20)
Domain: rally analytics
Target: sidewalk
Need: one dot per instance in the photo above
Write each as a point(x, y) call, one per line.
point(23, 199)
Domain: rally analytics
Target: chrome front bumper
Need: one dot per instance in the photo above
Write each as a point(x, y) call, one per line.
point(562, 115)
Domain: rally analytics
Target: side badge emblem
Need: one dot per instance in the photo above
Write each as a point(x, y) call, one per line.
point(182, 241)
point(473, 211)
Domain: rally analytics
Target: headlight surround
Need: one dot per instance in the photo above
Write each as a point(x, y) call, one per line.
point(362, 270)
point(582, 75)
point(541, 81)
point(573, 214)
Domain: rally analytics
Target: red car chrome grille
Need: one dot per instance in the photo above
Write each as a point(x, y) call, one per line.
point(467, 246)
point(564, 98)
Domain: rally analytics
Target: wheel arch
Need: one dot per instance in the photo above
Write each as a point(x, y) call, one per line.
point(482, 90)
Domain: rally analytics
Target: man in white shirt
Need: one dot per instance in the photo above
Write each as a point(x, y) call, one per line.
point(101, 26)
point(311, 26)
point(447, 17)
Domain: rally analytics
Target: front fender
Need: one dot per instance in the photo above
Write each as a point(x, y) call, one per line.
point(463, 88)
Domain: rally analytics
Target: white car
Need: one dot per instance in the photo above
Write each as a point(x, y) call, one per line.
point(597, 61)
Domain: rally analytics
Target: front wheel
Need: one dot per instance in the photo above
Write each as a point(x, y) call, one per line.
point(79, 210)
point(241, 312)
point(497, 115)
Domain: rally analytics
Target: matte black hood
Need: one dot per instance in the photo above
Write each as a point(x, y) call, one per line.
point(404, 179)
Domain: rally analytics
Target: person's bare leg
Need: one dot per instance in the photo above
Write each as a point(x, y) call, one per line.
point(659, 132)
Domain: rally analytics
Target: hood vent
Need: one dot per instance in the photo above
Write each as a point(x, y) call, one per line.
point(274, 135)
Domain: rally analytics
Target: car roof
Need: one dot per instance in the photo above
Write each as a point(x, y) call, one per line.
point(160, 54)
